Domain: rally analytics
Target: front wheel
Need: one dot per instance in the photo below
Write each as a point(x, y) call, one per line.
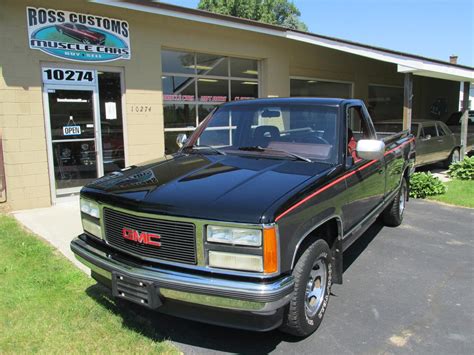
point(393, 214)
point(313, 280)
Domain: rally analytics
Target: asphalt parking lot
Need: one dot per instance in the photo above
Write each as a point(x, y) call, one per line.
point(406, 290)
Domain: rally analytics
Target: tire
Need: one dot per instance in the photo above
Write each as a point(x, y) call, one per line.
point(393, 215)
point(454, 157)
point(305, 312)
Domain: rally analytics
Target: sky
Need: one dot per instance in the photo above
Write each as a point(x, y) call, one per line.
point(431, 28)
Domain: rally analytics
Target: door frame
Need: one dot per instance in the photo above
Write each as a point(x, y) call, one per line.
point(49, 141)
point(83, 66)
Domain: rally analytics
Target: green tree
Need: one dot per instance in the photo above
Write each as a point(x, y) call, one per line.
point(275, 12)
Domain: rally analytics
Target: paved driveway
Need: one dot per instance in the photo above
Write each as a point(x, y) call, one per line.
point(406, 290)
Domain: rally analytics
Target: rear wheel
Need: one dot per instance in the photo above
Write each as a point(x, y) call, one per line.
point(393, 215)
point(454, 157)
point(312, 274)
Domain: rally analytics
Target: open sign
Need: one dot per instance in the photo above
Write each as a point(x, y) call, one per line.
point(72, 130)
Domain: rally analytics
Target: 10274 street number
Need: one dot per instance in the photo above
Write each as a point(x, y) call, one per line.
point(68, 76)
point(140, 108)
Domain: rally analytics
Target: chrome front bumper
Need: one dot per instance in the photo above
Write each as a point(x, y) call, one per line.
point(253, 296)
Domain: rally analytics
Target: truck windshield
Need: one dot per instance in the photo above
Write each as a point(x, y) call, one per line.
point(291, 131)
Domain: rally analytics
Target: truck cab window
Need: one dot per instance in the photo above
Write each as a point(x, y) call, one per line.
point(309, 131)
point(356, 129)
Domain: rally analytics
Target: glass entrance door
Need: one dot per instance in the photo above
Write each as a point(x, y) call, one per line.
point(74, 155)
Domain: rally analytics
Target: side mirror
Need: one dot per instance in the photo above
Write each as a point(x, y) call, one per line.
point(181, 139)
point(370, 149)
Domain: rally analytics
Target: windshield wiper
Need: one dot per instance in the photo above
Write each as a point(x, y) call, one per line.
point(205, 146)
point(258, 148)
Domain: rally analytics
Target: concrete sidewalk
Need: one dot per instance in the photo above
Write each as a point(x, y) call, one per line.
point(58, 225)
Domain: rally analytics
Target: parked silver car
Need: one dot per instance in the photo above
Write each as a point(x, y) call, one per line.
point(435, 142)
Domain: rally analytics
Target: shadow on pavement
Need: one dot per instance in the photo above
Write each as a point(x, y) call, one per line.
point(351, 254)
point(159, 327)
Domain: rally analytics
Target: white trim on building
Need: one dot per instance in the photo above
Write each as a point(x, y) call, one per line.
point(406, 63)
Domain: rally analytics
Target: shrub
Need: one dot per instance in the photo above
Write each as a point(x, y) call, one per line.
point(462, 170)
point(425, 184)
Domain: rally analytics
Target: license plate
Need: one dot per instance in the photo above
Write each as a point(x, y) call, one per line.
point(142, 292)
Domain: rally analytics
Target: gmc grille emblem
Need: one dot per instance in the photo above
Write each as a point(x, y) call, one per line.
point(141, 237)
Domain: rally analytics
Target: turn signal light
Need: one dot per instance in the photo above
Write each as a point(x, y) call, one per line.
point(270, 250)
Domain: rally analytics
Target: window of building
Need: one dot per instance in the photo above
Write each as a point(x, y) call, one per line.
point(194, 84)
point(319, 88)
point(385, 102)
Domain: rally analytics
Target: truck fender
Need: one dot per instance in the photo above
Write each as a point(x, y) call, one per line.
point(334, 242)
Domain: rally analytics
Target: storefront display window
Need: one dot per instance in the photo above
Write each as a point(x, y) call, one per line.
point(196, 83)
point(179, 115)
point(179, 88)
point(213, 90)
point(204, 111)
point(385, 102)
point(318, 88)
point(243, 68)
point(242, 90)
point(178, 62)
point(210, 64)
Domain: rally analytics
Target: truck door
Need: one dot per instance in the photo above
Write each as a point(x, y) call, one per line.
point(366, 186)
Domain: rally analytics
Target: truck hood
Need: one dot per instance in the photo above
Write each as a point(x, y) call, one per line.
point(215, 187)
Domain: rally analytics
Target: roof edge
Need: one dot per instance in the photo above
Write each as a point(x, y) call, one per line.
point(283, 30)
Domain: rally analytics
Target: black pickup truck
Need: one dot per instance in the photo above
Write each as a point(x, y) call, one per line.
point(246, 225)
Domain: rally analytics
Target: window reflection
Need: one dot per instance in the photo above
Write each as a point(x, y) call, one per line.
point(178, 88)
point(209, 64)
point(111, 121)
point(195, 83)
point(317, 88)
point(385, 102)
point(244, 90)
point(179, 115)
point(243, 68)
point(177, 62)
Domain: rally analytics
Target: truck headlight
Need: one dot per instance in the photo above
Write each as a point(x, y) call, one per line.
point(234, 236)
point(90, 207)
point(91, 217)
point(91, 228)
point(263, 258)
point(235, 261)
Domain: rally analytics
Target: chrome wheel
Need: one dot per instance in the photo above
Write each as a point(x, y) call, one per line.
point(315, 288)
